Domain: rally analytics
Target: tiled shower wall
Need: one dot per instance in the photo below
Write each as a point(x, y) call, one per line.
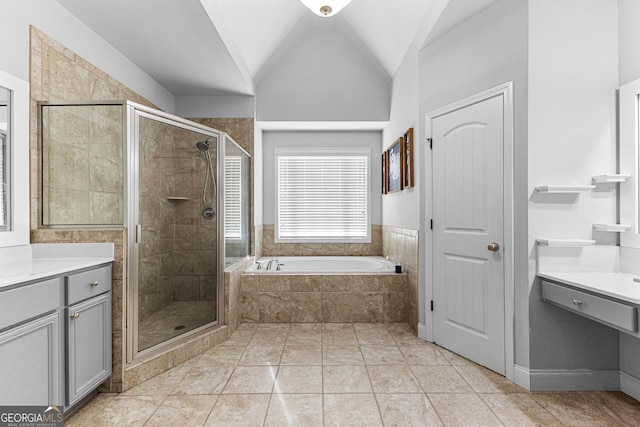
point(178, 249)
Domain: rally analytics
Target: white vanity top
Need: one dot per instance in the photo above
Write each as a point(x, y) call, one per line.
point(38, 261)
point(613, 284)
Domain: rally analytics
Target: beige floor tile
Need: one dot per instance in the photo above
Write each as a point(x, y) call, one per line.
point(204, 380)
point(423, 355)
point(519, 409)
point(160, 385)
point(382, 355)
point(440, 379)
point(455, 359)
point(623, 408)
point(483, 380)
point(407, 410)
point(251, 380)
point(374, 336)
point(241, 410)
point(342, 355)
point(127, 411)
point(302, 355)
point(393, 379)
point(572, 409)
point(273, 326)
point(261, 355)
point(466, 410)
point(269, 337)
point(95, 406)
point(351, 410)
point(183, 411)
point(406, 338)
point(221, 355)
point(305, 334)
point(295, 410)
point(338, 334)
point(346, 379)
point(299, 379)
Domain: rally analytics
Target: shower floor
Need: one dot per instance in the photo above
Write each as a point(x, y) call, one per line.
point(173, 320)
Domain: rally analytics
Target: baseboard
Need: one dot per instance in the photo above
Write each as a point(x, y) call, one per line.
point(573, 380)
point(630, 385)
point(422, 331)
point(521, 376)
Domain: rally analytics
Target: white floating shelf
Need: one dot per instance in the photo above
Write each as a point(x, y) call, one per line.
point(615, 228)
point(565, 243)
point(609, 178)
point(564, 189)
point(177, 198)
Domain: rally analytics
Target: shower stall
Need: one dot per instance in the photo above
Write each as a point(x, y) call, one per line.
point(182, 191)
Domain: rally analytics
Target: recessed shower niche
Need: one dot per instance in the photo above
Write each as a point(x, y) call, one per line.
point(167, 181)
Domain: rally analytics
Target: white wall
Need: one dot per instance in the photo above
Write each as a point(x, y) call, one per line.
point(573, 77)
point(323, 78)
point(57, 22)
point(629, 40)
point(215, 106)
point(484, 52)
point(354, 139)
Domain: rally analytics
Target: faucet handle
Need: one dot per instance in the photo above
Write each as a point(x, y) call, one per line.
point(259, 266)
point(278, 266)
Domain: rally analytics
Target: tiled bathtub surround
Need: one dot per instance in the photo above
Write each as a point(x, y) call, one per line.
point(401, 246)
point(271, 248)
point(346, 298)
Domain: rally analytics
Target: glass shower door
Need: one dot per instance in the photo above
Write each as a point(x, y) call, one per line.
point(176, 229)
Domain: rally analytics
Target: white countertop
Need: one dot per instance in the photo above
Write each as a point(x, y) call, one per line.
point(47, 260)
point(612, 284)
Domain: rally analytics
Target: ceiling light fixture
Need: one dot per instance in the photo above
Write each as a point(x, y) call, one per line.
point(325, 8)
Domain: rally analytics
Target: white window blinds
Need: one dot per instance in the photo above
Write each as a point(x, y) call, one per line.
point(233, 197)
point(323, 197)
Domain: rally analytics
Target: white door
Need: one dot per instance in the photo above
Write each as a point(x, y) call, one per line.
point(468, 232)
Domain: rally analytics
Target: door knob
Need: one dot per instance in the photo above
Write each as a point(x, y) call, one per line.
point(493, 247)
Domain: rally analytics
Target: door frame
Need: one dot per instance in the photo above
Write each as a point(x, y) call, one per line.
point(506, 91)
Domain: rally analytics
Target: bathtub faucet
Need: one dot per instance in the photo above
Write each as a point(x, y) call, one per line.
point(271, 261)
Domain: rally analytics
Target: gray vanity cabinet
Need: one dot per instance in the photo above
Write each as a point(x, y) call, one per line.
point(88, 331)
point(45, 359)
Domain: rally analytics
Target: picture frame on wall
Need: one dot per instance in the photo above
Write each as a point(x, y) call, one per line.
point(385, 172)
point(407, 145)
point(395, 163)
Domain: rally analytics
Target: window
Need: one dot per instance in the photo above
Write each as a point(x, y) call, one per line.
point(233, 197)
point(322, 196)
point(5, 163)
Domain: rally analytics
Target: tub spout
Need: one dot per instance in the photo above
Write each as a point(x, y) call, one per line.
point(271, 261)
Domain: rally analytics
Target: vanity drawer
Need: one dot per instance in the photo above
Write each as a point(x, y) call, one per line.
point(614, 313)
point(26, 302)
point(81, 286)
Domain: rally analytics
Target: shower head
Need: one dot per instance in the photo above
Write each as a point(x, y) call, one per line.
point(203, 145)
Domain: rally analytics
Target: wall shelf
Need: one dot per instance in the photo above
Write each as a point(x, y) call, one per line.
point(614, 228)
point(610, 178)
point(177, 198)
point(564, 189)
point(565, 243)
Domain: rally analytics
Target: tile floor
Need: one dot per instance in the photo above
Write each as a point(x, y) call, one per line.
point(343, 375)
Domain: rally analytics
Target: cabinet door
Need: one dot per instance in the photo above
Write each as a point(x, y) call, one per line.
point(89, 346)
point(31, 363)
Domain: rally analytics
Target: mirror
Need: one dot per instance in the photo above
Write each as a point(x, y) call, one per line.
point(5, 163)
point(629, 161)
point(14, 161)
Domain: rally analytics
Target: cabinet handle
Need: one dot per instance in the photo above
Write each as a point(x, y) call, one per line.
point(577, 302)
point(75, 315)
point(94, 284)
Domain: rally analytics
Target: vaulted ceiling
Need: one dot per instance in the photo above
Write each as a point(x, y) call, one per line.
point(224, 47)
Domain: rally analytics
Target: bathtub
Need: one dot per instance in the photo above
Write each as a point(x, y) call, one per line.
point(323, 264)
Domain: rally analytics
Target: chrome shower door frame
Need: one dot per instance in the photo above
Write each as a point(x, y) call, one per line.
point(134, 112)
